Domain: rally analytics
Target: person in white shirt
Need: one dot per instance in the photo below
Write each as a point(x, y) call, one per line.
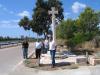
point(38, 46)
point(52, 48)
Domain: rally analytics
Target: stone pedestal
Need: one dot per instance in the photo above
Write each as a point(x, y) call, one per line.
point(59, 57)
point(76, 59)
point(94, 61)
point(81, 59)
point(48, 53)
point(45, 58)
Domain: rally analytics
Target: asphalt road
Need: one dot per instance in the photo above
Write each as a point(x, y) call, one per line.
point(11, 57)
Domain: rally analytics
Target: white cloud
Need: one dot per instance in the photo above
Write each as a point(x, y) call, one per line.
point(3, 8)
point(66, 14)
point(15, 20)
point(9, 24)
point(11, 12)
point(7, 10)
point(4, 22)
point(77, 6)
point(99, 25)
point(24, 13)
point(0, 5)
point(9, 21)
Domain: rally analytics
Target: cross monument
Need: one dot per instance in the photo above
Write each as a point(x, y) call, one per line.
point(53, 12)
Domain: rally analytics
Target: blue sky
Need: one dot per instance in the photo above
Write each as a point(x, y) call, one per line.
point(11, 11)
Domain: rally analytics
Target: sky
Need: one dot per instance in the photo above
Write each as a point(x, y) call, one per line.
point(11, 11)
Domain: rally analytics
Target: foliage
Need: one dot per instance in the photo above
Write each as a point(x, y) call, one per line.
point(40, 17)
point(88, 21)
point(24, 23)
point(41, 20)
point(66, 29)
point(2, 39)
point(98, 14)
point(83, 29)
point(58, 5)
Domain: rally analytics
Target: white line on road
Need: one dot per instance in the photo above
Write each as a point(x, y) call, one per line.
point(21, 62)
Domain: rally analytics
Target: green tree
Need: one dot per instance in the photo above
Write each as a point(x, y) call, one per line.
point(24, 23)
point(66, 29)
point(88, 23)
point(40, 17)
point(41, 20)
point(85, 28)
point(98, 13)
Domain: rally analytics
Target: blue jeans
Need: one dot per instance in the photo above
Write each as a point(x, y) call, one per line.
point(25, 53)
point(52, 52)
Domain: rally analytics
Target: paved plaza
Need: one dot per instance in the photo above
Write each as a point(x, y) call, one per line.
point(45, 59)
point(82, 70)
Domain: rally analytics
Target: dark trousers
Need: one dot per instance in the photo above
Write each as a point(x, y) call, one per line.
point(25, 53)
point(44, 51)
point(52, 52)
point(38, 53)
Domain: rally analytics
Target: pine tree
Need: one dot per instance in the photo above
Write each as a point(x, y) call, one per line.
point(41, 20)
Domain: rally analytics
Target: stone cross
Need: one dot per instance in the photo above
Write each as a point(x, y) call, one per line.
point(53, 12)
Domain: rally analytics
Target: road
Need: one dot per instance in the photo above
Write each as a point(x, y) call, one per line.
point(11, 58)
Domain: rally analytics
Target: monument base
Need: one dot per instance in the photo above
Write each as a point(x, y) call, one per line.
point(45, 58)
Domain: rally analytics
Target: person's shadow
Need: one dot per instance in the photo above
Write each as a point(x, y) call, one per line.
point(63, 64)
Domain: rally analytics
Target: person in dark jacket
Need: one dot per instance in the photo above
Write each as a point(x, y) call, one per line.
point(25, 46)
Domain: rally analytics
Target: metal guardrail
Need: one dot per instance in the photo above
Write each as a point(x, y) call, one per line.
point(9, 45)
